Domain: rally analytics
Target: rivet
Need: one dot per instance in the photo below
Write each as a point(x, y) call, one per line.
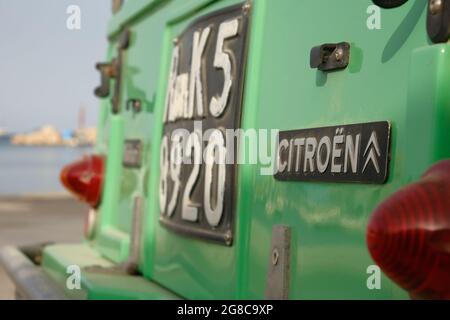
point(246, 7)
point(339, 54)
point(275, 256)
point(228, 237)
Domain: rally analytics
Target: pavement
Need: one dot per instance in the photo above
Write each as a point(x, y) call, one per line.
point(35, 219)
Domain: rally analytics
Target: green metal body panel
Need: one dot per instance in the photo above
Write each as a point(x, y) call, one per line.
point(395, 74)
point(99, 285)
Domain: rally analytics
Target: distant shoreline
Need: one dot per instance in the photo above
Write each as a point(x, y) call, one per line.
point(50, 136)
point(7, 143)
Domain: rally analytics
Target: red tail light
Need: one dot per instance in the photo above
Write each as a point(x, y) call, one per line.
point(409, 235)
point(84, 178)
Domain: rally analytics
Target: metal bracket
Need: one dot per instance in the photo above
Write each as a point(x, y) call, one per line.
point(135, 105)
point(136, 231)
point(122, 45)
point(107, 72)
point(113, 70)
point(438, 20)
point(132, 155)
point(279, 264)
point(330, 56)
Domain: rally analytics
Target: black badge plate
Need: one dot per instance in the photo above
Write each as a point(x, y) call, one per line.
point(348, 153)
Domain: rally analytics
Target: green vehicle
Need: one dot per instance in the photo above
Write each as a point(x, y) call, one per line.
point(267, 149)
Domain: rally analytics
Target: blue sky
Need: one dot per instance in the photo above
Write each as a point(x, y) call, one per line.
point(46, 70)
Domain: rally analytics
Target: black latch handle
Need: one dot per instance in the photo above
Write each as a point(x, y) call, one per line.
point(330, 56)
point(107, 71)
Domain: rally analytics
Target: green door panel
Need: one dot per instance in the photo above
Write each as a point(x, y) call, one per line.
point(328, 220)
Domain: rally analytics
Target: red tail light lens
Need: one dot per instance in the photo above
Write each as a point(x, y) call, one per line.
point(409, 235)
point(84, 178)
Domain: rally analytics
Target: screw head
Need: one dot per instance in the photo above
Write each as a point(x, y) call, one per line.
point(275, 256)
point(228, 237)
point(435, 6)
point(246, 7)
point(339, 54)
point(137, 105)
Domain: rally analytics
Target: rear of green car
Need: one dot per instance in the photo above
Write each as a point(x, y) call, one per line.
point(283, 238)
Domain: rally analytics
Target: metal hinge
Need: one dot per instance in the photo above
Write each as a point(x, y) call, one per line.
point(278, 275)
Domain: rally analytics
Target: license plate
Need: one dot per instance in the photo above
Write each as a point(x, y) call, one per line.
point(204, 99)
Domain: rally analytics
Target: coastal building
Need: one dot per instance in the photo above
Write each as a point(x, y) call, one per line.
point(50, 136)
point(46, 135)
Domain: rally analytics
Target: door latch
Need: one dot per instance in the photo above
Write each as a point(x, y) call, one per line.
point(107, 72)
point(330, 56)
